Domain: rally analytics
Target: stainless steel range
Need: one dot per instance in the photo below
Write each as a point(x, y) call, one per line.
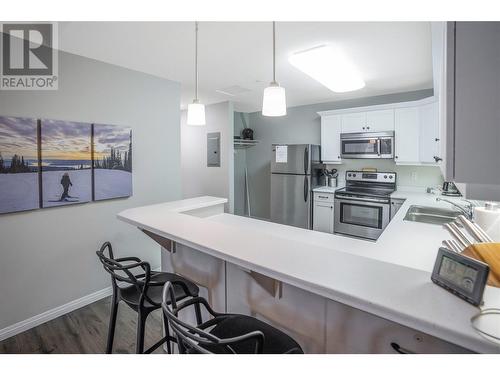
point(363, 207)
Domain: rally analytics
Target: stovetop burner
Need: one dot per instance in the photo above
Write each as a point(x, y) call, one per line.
point(366, 191)
point(369, 184)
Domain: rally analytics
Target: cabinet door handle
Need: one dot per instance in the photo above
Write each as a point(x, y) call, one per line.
point(397, 348)
point(437, 159)
point(437, 139)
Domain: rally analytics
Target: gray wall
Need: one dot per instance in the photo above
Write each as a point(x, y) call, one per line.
point(240, 162)
point(302, 125)
point(197, 178)
point(47, 257)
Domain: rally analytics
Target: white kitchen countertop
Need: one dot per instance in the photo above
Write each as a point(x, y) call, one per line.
point(325, 189)
point(389, 278)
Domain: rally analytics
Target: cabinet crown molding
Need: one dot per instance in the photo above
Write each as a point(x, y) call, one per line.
point(413, 103)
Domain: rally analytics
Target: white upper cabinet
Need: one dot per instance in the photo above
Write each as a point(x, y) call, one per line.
point(415, 125)
point(407, 130)
point(330, 139)
point(354, 122)
point(371, 121)
point(380, 121)
point(417, 134)
point(430, 148)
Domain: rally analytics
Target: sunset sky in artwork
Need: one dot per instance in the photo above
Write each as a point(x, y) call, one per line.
point(61, 140)
point(65, 140)
point(18, 137)
point(110, 136)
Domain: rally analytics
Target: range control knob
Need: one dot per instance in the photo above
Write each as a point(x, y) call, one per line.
point(385, 176)
point(390, 177)
point(348, 175)
point(354, 175)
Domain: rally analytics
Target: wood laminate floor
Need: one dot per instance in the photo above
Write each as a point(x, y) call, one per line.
point(85, 331)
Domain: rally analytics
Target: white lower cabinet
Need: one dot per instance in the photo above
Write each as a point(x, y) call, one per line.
point(349, 330)
point(323, 214)
point(295, 311)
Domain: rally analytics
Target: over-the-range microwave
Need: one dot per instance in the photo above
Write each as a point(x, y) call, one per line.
point(378, 145)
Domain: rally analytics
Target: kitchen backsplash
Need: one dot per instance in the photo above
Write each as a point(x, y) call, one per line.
point(407, 175)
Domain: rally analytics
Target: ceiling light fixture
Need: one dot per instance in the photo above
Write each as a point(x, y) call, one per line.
point(274, 101)
point(196, 110)
point(330, 67)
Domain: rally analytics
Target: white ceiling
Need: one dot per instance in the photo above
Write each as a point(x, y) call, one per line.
point(391, 56)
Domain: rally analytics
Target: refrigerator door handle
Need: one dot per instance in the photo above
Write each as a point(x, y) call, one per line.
point(306, 159)
point(306, 188)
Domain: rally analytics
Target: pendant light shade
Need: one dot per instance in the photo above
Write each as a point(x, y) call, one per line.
point(196, 114)
point(274, 100)
point(196, 110)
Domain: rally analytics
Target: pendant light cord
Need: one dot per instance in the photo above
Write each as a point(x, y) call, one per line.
point(196, 62)
point(274, 52)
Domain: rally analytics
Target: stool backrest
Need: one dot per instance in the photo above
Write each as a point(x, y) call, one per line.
point(193, 339)
point(122, 271)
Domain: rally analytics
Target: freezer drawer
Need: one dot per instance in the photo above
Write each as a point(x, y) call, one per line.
point(291, 200)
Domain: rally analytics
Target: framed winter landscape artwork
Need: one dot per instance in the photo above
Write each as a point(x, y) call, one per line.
point(112, 161)
point(66, 161)
point(19, 189)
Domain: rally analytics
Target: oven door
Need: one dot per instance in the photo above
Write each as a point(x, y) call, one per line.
point(360, 148)
point(361, 217)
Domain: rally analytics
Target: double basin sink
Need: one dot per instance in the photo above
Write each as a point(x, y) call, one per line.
point(431, 215)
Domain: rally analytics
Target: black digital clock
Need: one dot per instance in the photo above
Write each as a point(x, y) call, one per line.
point(461, 275)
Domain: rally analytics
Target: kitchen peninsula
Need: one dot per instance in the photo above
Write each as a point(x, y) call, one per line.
point(333, 294)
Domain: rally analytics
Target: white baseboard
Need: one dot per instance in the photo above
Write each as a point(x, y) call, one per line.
point(56, 312)
point(44, 317)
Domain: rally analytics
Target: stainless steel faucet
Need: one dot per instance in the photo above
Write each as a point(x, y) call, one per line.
point(467, 209)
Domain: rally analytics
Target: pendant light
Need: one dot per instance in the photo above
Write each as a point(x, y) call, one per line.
point(196, 110)
point(274, 101)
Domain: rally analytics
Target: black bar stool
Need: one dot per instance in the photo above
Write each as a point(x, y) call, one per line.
point(224, 333)
point(142, 292)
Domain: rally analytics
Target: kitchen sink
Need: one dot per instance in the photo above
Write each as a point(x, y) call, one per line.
point(431, 215)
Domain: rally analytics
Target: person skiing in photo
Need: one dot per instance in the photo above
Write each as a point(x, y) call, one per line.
point(66, 183)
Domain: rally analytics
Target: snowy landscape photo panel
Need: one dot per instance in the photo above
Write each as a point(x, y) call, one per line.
point(19, 185)
point(66, 161)
point(112, 161)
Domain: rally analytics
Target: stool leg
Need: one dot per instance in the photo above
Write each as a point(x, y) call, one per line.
point(141, 325)
point(167, 334)
point(112, 325)
point(197, 311)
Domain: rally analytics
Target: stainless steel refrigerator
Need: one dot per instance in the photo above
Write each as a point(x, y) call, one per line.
point(295, 170)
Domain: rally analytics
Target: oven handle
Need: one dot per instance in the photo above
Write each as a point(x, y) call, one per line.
point(382, 201)
point(379, 146)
